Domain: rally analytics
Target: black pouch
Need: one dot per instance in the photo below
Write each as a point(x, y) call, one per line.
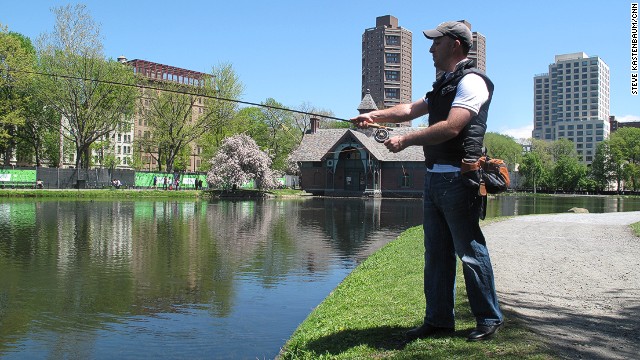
point(472, 179)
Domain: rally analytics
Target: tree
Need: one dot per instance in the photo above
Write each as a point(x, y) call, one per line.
point(302, 120)
point(179, 115)
point(568, 172)
point(239, 160)
point(532, 169)
point(503, 147)
point(94, 96)
point(625, 155)
point(17, 58)
point(602, 170)
point(281, 137)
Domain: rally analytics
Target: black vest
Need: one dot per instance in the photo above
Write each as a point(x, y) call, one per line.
point(468, 144)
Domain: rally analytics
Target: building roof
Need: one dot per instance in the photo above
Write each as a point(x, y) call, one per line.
point(367, 104)
point(320, 146)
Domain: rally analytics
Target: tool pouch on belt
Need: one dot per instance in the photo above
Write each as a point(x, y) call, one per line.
point(491, 175)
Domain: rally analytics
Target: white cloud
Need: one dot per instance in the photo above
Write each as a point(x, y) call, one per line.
point(627, 118)
point(523, 132)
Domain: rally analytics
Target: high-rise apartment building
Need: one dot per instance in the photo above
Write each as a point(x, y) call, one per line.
point(571, 102)
point(386, 63)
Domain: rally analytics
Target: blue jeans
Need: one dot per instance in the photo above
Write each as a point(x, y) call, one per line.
point(451, 228)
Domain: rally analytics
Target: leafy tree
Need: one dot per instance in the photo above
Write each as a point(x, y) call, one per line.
point(625, 155)
point(37, 126)
point(568, 172)
point(180, 115)
point(503, 147)
point(17, 58)
point(532, 169)
point(86, 90)
point(239, 160)
point(602, 170)
point(281, 137)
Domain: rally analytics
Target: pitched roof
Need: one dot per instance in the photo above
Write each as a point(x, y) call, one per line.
point(367, 104)
point(320, 146)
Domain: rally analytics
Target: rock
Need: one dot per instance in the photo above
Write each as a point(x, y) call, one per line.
point(578, 210)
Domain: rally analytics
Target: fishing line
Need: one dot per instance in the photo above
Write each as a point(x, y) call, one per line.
point(381, 134)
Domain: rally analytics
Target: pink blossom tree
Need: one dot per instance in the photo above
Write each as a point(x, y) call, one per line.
point(238, 161)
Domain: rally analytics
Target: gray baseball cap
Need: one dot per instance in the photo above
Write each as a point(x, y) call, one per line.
point(454, 29)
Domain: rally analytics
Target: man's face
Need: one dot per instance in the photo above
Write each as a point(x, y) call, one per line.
point(442, 50)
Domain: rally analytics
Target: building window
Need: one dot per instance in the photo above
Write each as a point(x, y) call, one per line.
point(392, 58)
point(392, 93)
point(392, 39)
point(391, 75)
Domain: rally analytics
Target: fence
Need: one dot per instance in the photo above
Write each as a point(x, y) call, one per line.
point(56, 178)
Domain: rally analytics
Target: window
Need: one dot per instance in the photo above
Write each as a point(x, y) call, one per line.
point(392, 93)
point(391, 75)
point(392, 58)
point(392, 39)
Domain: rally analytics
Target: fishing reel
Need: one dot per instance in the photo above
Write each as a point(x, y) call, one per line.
point(381, 134)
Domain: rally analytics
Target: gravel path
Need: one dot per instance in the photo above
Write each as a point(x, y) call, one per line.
point(573, 278)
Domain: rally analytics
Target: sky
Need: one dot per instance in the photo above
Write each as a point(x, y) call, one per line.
point(309, 52)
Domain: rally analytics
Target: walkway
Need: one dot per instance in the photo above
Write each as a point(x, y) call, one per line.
point(573, 278)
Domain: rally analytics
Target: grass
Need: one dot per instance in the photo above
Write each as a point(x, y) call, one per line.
point(126, 193)
point(636, 228)
point(99, 194)
point(366, 316)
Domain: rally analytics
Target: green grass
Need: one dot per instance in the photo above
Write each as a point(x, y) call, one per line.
point(99, 194)
point(366, 316)
point(133, 193)
point(636, 228)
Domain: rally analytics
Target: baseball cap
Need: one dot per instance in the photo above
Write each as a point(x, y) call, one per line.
point(454, 29)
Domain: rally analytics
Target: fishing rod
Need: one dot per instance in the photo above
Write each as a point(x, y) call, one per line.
point(381, 133)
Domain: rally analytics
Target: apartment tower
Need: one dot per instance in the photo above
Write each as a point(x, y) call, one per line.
point(571, 102)
point(386, 63)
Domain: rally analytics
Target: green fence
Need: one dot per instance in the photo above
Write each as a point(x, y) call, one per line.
point(187, 181)
point(20, 178)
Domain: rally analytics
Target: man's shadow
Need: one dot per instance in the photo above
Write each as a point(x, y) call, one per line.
point(380, 338)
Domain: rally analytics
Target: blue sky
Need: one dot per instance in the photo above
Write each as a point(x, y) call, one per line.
point(298, 51)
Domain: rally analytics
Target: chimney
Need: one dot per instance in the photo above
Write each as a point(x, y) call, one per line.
point(315, 125)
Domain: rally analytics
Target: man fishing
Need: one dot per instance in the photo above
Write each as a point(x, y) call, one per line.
point(458, 106)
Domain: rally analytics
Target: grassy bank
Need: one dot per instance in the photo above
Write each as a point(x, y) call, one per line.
point(366, 316)
point(134, 193)
point(100, 194)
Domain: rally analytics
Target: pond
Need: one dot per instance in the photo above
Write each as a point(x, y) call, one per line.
point(185, 279)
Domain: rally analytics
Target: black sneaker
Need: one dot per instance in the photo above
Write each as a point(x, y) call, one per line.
point(484, 332)
point(427, 330)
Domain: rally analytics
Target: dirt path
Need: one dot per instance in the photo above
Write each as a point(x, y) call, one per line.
point(573, 278)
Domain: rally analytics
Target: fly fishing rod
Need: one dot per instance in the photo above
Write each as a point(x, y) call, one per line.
point(380, 135)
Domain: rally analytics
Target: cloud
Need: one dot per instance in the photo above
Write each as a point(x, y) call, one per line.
point(628, 118)
point(523, 132)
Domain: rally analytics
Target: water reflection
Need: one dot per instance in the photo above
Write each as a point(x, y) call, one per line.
point(93, 279)
point(179, 279)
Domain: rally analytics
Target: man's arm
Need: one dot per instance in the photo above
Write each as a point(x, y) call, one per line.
point(435, 134)
point(398, 113)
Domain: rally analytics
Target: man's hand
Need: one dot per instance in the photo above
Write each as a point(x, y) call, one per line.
point(395, 144)
point(362, 121)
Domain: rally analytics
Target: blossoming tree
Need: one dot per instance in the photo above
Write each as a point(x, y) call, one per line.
point(238, 161)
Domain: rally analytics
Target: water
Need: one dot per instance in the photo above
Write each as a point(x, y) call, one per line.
point(182, 279)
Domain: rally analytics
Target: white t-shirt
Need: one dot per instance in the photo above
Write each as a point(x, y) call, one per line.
point(471, 94)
